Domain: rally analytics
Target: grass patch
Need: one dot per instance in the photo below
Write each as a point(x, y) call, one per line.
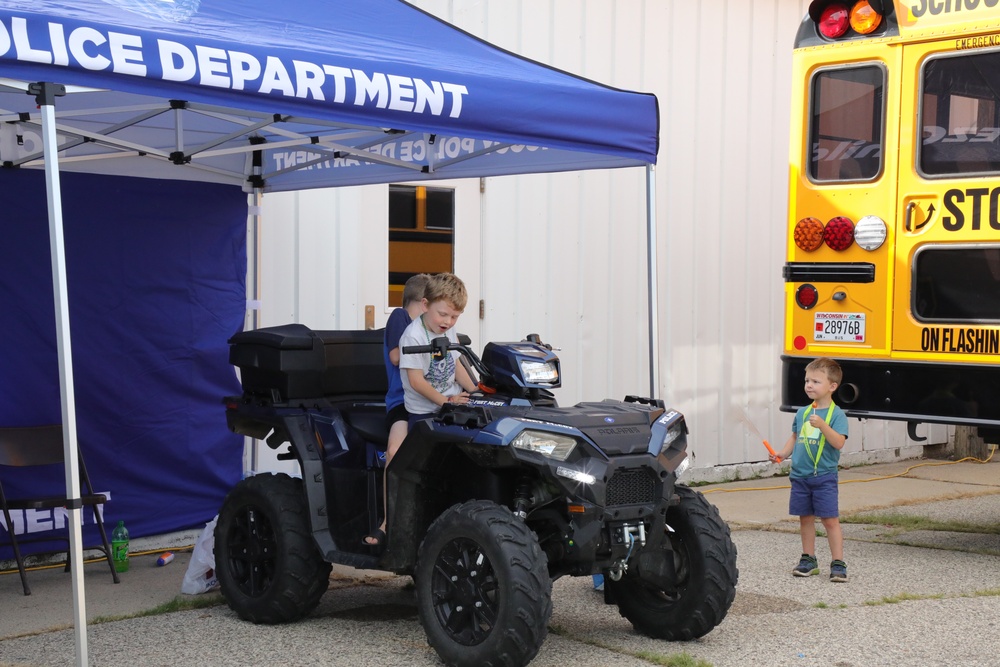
point(682, 659)
point(906, 522)
point(986, 593)
point(179, 603)
point(675, 660)
point(824, 605)
point(904, 597)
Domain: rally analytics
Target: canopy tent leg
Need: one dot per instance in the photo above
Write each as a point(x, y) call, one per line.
point(251, 447)
point(651, 255)
point(45, 94)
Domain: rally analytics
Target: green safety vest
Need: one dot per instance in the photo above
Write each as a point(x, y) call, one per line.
point(822, 437)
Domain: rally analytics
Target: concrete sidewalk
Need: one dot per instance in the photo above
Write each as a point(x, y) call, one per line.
point(764, 502)
point(757, 510)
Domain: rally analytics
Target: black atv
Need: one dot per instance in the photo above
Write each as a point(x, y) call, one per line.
point(488, 503)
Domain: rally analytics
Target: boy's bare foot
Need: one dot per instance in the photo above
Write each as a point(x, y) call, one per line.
point(376, 538)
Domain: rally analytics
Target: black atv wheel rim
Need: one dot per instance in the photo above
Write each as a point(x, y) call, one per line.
point(465, 592)
point(682, 569)
point(252, 552)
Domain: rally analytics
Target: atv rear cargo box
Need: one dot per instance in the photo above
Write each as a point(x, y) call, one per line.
point(292, 362)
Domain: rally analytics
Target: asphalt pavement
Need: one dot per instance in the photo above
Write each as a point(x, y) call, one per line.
point(915, 596)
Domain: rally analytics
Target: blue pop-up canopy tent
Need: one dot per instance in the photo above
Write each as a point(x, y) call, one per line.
point(254, 96)
point(331, 92)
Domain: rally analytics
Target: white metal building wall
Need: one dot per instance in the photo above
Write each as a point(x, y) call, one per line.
point(563, 255)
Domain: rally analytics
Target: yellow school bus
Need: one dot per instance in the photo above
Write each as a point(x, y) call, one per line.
point(893, 257)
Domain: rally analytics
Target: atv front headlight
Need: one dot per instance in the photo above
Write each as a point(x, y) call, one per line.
point(539, 372)
point(552, 445)
point(674, 432)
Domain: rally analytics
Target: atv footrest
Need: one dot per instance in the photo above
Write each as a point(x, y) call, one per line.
point(359, 561)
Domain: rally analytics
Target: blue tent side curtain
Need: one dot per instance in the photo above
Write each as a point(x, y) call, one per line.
point(156, 277)
point(355, 93)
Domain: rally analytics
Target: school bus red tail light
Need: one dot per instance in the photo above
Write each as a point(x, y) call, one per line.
point(834, 21)
point(808, 234)
point(839, 233)
point(806, 296)
point(864, 19)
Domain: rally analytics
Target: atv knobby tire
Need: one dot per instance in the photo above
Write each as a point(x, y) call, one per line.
point(484, 595)
point(705, 562)
point(268, 565)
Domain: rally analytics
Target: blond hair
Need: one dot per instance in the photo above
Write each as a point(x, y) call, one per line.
point(447, 287)
point(832, 369)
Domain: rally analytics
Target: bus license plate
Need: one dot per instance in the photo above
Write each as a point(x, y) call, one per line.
point(843, 327)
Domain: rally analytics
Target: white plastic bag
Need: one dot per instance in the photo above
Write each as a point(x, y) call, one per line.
point(200, 576)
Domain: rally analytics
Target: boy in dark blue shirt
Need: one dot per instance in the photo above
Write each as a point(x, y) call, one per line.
point(396, 416)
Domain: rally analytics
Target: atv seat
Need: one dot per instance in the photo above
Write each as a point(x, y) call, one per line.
point(368, 419)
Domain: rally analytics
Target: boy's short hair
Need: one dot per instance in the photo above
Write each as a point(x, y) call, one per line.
point(415, 288)
point(447, 287)
point(832, 369)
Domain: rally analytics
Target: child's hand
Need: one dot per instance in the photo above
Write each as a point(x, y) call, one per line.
point(458, 399)
point(815, 420)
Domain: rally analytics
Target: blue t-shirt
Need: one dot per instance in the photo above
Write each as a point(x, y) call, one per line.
point(802, 464)
point(399, 319)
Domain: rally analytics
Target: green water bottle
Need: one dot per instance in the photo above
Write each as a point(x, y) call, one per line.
point(119, 547)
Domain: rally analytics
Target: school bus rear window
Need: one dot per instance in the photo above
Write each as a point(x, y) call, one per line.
point(959, 115)
point(956, 284)
point(846, 124)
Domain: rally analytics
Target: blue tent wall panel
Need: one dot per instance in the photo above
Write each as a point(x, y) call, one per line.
point(156, 273)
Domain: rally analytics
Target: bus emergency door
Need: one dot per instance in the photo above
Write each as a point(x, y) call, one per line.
point(946, 304)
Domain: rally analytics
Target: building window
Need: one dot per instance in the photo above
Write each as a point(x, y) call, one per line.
point(421, 234)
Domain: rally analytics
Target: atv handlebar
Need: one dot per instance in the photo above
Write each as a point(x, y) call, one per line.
point(440, 346)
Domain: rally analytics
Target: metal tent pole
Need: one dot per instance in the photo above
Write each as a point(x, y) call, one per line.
point(651, 255)
point(251, 446)
point(45, 94)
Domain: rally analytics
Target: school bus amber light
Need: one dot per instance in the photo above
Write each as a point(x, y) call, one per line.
point(808, 234)
point(864, 19)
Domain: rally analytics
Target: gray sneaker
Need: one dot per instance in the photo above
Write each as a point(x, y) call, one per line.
point(838, 571)
point(807, 567)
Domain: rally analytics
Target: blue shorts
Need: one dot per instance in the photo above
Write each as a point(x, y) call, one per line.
point(814, 496)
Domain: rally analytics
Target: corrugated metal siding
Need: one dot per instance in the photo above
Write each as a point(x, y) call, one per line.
point(563, 255)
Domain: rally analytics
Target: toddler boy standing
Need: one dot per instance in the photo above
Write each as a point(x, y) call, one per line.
point(819, 432)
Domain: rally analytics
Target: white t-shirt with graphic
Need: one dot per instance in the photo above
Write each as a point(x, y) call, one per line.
point(440, 374)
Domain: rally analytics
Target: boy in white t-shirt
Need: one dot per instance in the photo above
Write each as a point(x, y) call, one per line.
point(428, 383)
